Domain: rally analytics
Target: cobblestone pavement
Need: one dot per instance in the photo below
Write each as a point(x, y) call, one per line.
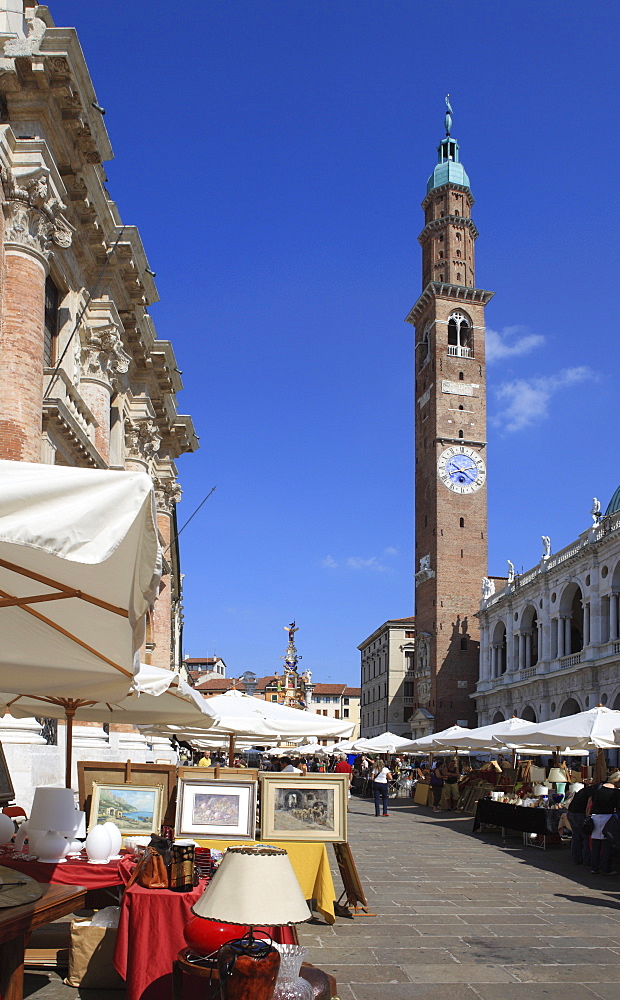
point(462, 917)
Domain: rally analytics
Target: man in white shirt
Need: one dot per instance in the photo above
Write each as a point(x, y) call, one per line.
point(287, 767)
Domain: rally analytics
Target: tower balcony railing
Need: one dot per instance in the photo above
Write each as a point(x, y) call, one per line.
point(460, 352)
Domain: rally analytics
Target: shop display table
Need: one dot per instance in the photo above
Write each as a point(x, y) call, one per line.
point(310, 864)
point(17, 921)
point(75, 871)
point(525, 819)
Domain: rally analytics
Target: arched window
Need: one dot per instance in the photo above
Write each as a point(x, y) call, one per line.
point(460, 335)
point(498, 717)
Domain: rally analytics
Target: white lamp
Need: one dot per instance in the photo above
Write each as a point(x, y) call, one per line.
point(557, 776)
point(52, 810)
point(541, 790)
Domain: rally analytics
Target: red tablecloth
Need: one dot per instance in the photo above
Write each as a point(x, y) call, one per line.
point(73, 872)
point(150, 936)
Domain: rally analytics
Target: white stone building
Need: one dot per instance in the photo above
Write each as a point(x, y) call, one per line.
point(387, 672)
point(550, 638)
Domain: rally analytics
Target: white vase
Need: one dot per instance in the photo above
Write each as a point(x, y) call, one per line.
point(7, 829)
point(52, 847)
point(116, 838)
point(98, 845)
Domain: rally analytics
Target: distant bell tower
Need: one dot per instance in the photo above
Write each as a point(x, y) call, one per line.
point(450, 448)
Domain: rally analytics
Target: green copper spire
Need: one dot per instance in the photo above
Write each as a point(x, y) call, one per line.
point(449, 169)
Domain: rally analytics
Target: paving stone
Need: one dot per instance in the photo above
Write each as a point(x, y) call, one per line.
point(378, 973)
point(539, 991)
point(566, 973)
point(455, 973)
point(418, 991)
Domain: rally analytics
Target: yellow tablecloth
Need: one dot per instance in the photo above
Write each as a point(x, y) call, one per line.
point(311, 866)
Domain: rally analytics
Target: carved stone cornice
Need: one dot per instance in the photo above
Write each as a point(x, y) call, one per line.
point(103, 357)
point(167, 494)
point(34, 219)
point(142, 439)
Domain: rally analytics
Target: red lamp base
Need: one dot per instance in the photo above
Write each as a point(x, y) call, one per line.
point(206, 936)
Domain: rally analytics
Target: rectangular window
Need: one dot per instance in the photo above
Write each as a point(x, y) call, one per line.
point(408, 686)
point(345, 713)
point(345, 701)
point(409, 635)
point(274, 697)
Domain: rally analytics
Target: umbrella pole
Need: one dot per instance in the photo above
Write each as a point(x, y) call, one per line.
point(69, 714)
point(231, 749)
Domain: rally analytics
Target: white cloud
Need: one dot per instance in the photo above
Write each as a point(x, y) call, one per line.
point(510, 342)
point(329, 563)
point(390, 551)
point(356, 562)
point(526, 401)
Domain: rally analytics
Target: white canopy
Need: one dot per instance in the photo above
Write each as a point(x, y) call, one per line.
point(156, 696)
point(79, 567)
point(306, 750)
point(484, 737)
point(236, 714)
point(584, 731)
point(384, 743)
point(433, 741)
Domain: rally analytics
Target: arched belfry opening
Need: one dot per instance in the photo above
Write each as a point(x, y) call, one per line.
point(460, 336)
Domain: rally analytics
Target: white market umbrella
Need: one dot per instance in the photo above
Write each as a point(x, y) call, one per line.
point(80, 565)
point(236, 714)
point(304, 751)
point(426, 744)
point(156, 696)
point(384, 743)
point(483, 737)
point(593, 729)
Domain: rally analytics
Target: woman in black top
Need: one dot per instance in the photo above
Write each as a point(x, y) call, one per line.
point(604, 802)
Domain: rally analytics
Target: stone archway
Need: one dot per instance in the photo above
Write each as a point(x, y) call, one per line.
point(570, 707)
point(498, 717)
point(529, 714)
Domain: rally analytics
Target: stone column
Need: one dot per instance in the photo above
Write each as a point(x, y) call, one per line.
point(567, 636)
point(30, 221)
point(521, 650)
point(104, 362)
point(586, 623)
point(560, 634)
point(613, 616)
point(167, 494)
point(528, 650)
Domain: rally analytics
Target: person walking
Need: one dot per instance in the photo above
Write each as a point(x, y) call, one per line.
point(436, 781)
point(381, 776)
point(576, 815)
point(450, 775)
point(604, 803)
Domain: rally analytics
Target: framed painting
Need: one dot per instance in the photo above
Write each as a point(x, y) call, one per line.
point(134, 808)
point(221, 808)
point(304, 807)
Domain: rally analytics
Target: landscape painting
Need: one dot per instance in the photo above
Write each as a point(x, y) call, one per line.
point(216, 808)
point(133, 808)
point(304, 807)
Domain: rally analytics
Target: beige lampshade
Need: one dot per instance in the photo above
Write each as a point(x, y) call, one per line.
point(557, 774)
point(253, 885)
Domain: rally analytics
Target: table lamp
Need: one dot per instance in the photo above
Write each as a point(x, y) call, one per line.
point(252, 886)
point(53, 811)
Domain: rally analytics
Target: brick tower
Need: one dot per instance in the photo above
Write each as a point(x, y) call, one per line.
point(450, 448)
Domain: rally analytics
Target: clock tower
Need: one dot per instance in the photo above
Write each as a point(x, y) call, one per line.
point(450, 449)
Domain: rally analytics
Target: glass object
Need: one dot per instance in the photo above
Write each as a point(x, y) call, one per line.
point(290, 985)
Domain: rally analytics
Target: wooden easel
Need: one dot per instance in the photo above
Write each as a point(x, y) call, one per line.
point(353, 891)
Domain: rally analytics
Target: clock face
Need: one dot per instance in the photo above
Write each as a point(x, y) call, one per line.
point(461, 469)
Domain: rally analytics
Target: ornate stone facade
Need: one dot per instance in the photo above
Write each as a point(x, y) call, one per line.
point(550, 637)
point(84, 379)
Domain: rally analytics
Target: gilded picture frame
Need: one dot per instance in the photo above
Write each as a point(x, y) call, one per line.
point(135, 809)
point(304, 807)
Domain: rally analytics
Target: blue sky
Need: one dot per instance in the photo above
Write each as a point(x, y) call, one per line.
point(274, 154)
